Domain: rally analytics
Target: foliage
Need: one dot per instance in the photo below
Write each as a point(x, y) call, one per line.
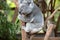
point(10, 3)
point(7, 29)
point(3, 5)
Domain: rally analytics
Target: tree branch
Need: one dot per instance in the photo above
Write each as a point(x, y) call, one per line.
point(52, 14)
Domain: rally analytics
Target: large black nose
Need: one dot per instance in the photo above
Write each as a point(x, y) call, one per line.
point(20, 12)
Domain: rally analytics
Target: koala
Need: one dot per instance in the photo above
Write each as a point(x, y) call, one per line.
point(30, 13)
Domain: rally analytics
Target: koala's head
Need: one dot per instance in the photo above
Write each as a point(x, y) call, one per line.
point(26, 6)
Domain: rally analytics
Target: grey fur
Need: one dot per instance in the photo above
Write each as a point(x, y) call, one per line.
point(35, 16)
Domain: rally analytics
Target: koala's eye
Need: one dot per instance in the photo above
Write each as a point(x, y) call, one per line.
point(21, 1)
point(29, 3)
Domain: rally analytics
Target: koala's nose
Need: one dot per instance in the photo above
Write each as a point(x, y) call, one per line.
point(19, 12)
